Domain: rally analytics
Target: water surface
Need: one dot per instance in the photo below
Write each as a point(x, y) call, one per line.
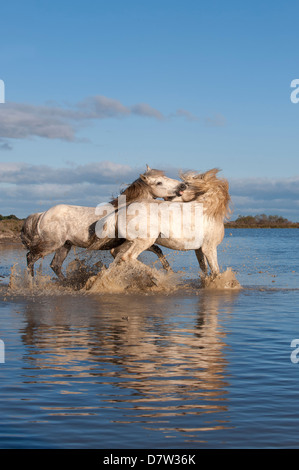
point(184, 368)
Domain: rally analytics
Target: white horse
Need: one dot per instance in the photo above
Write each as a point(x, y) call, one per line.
point(211, 194)
point(62, 226)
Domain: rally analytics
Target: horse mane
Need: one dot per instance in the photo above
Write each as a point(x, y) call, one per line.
point(211, 191)
point(139, 189)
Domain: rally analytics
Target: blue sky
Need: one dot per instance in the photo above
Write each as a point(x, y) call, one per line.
point(106, 87)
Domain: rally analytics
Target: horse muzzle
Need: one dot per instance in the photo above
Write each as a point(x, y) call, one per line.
point(178, 192)
point(180, 189)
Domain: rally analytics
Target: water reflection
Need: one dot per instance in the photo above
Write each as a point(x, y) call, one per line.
point(136, 371)
point(160, 363)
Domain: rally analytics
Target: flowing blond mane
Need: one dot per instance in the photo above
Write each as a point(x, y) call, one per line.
point(211, 191)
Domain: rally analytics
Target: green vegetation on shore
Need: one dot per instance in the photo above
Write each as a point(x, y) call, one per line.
point(10, 227)
point(9, 217)
point(261, 221)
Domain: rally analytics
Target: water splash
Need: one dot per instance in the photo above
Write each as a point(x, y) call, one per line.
point(224, 280)
point(21, 282)
point(77, 275)
point(133, 276)
point(129, 277)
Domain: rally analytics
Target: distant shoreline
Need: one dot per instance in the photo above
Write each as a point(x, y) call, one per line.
point(10, 231)
point(232, 225)
point(261, 221)
point(10, 228)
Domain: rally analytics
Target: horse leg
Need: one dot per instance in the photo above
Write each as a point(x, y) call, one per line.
point(157, 250)
point(130, 250)
point(59, 258)
point(119, 250)
point(202, 260)
point(154, 249)
point(210, 252)
point(32, 258)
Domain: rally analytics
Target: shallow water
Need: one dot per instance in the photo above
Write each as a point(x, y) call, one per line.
point(174, 367)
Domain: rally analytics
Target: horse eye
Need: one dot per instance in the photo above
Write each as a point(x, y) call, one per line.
point(159, 183)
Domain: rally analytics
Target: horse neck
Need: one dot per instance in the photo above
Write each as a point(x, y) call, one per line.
point(137, 191)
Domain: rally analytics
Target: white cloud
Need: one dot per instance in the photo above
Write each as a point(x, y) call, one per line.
point(145, 110)
point(263, 195)
point(52, 121)
point(98, 173)
point(20, 121)
point(31, 188)
point(265, 188)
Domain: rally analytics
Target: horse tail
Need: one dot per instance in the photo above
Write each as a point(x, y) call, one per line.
point(29, 232)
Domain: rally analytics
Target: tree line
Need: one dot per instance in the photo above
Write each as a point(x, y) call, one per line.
point(262, 221)
point(9, 217)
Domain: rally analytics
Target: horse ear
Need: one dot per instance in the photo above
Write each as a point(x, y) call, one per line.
point(143, 177)
point(148, 168)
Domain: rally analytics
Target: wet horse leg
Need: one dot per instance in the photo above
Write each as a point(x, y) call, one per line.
point(59, 257)
point(157, 250)
point(154, 249)
point(202, 260)
point(32, 258)
point(130, 250)
point(210, 252)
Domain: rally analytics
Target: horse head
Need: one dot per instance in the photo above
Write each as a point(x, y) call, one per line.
point(160, 186)
point(208, 189)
